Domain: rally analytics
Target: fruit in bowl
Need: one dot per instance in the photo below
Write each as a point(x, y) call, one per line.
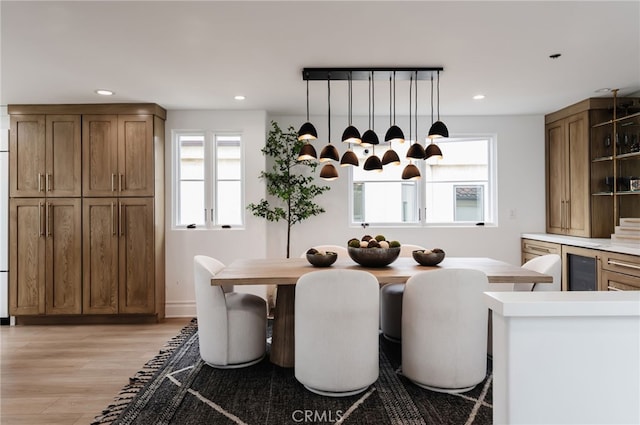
point(319, 258)
point(428, 257)
point(373, 251)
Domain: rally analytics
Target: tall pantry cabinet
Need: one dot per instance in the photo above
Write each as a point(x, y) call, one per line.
point(107, 233)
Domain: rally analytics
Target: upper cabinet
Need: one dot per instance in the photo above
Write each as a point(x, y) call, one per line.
point(118, 155)
point(589, 146)
point(45, 156)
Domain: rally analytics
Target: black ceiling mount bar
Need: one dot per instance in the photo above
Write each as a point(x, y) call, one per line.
point(382, 73)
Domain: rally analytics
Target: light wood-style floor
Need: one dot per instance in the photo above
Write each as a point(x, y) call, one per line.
point(67, 374)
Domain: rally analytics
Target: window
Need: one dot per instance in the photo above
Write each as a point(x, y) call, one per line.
point(456, 190)
point(208, 175)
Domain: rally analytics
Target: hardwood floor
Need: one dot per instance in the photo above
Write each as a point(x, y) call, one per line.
point(67, 374)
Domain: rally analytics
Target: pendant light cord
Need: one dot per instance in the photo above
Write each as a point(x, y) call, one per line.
point(373, 102)
point(307, 97)
point(416, 109)
point(431, 99)
point(438, 95)
point(410, 97)
point(329, 104)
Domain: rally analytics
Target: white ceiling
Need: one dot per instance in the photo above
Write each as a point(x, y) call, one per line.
point(198, 55)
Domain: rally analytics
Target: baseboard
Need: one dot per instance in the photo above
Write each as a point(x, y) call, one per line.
point(176, 309)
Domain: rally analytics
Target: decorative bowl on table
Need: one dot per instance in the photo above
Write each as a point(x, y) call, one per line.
point(321, 258)
point(373, 257)
point(428, 257)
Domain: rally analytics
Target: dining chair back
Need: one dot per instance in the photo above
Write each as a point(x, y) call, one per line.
point(391, 302)
point(232, 327)
point(444, 329)
point(336, 331)
point(550, 264)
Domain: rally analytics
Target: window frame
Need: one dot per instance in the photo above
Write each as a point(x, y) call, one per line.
point(210, 178)
point(490, 193)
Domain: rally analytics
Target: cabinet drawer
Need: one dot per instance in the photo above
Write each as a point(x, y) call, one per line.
point(539, 247)
point(612, 281)
point(621, 263)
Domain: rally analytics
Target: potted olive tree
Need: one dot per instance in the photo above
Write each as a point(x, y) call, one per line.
point(289, 182)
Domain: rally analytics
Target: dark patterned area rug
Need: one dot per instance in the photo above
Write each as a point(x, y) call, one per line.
point(177, 387)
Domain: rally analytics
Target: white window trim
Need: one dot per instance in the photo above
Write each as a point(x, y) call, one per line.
point(210, 159)
point(492, 188)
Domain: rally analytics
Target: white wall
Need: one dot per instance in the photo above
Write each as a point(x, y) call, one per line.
point(521, 188)
point(224, 244)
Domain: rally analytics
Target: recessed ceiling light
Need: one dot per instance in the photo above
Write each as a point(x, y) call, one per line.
point(603, 90)
point(104, 92)
point(478, 97)
point(239, 97)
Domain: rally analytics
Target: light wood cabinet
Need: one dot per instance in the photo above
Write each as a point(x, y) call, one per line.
point(118, 155)
point(118, 256)
point(619, 272)
point(567, 151)
point(532, 248)
point(45, 156)
point(46, 263)
point(100, 254)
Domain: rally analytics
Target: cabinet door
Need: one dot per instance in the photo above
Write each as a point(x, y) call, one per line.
point(27, 257)
point(135, 155)
point(63, 230)
point(578, 195)
point(63, 156)
point(100, 256)
point(612, 281)
point(100, 155)
point(136, 252)
point(556, 171)
point(27, 155)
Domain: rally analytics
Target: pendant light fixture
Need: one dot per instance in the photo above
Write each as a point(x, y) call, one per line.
point(373, 163)
point(394, 134)
point(328, 172)
point(307, 132)
point(438, 129)
point(350, 135)
point(432, 150)
point(329, 152)
point(416, 151)
point(369, 137)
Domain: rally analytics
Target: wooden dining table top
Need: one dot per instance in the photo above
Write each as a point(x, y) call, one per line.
point(286, 271)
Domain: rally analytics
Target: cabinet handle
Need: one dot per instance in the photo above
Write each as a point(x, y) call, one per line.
point(212, 215)
point(535, 248)
point(39, 182)
point(40, 230)
point(120, 179)
point(120, 230)
point(612, 288)
point(113, 219)
point(568, 210)
point(113, 184)
point(562, 215)
point(623, 264)
point(48, 182)
point(49, 225)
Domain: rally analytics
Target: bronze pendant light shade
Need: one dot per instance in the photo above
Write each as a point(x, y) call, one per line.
point(307, 152)
point(416, 151)
point(390, 157)
point(329, 153)
point(373, 163)
point(410, 172)
point(432, 150)
point(369, 137)
point(349, 158)
point(328, 172)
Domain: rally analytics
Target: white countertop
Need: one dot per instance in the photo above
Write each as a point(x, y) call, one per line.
point(567, 303)
point(593, 243)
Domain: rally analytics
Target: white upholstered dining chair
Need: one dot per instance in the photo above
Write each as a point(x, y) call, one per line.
point(444, 329)
point(232, 327)
point(391, 302)
point(336, 331)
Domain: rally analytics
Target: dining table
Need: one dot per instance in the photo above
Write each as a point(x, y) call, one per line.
point(285, 272)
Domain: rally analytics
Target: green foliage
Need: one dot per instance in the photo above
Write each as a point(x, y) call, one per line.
point(287, 182)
